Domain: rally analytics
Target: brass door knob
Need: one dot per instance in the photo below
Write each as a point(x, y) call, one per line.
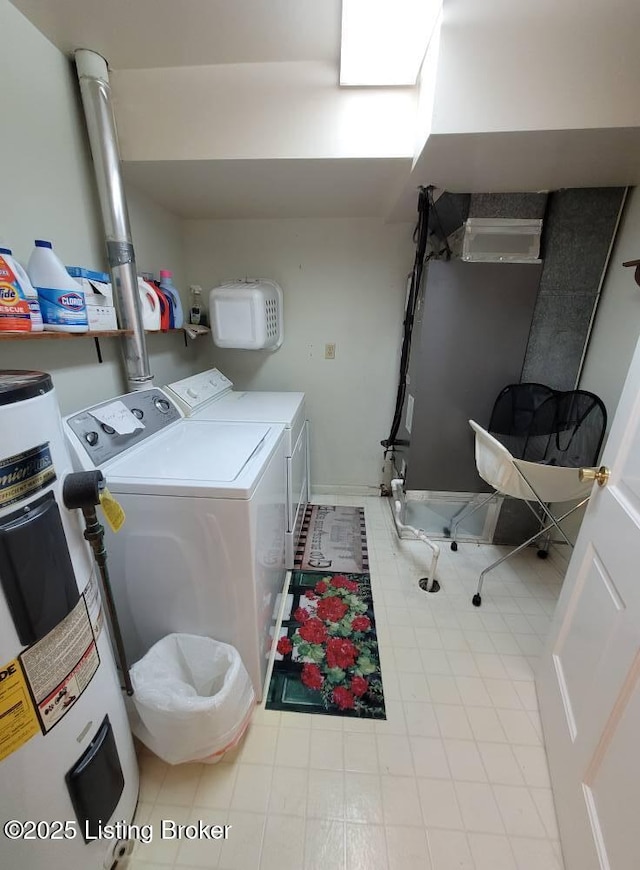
point(600, 475)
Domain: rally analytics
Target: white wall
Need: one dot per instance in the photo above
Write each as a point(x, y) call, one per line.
point(344, 282)
point(537, 66)
point(46, 173)
point(48, 192)
point(617, 326)
point(427, 84)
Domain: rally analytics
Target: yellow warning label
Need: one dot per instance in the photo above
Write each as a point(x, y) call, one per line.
point(18, 720)
point(113, 511)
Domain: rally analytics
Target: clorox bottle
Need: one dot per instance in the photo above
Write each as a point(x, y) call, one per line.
point(61, 298)
point(19, 308)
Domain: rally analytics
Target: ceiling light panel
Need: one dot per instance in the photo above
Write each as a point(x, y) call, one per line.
point(384, 41)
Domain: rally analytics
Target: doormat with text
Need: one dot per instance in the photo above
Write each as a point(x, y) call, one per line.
point(333, 538)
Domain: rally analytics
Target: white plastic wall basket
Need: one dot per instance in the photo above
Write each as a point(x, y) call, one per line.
point(247, 315)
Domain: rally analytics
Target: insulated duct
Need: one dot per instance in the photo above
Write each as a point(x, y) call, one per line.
point(103, 139)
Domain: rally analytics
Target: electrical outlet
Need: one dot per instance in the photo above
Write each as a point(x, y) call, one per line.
point(329, 351)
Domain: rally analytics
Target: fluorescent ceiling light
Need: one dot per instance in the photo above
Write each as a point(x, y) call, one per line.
point(384, 41)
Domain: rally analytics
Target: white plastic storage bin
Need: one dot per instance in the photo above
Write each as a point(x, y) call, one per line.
point(247, 315)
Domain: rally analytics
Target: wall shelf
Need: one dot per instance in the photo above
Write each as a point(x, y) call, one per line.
point(107, 333)
point(96, 336)
point(58, 336)
point(162, 331)
point(40, 336)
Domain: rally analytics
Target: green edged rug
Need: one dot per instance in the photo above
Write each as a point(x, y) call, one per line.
point(327, 657)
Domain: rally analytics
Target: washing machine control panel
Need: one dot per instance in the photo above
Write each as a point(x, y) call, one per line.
point(100, 430)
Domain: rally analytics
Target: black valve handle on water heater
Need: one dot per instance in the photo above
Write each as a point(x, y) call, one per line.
point(81, 490)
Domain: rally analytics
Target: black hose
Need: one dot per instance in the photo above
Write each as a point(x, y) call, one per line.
point(94, 533)
point(81, 490)
point(421, 234)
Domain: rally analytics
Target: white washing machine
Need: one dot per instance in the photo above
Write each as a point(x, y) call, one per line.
point(202, 548)
point(210, 396)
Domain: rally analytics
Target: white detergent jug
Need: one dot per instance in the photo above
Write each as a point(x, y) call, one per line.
point(19, 307)
point(149, 305)
point(61, 298)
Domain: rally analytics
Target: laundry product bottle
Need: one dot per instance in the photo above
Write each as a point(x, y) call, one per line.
point(165, 308)
point(195, 312)
point(61, 298)
point(171, 310)
point(149, 305)
point(19, 307)
point(167, 287)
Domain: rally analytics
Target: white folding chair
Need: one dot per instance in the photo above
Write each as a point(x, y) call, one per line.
point(530, 482)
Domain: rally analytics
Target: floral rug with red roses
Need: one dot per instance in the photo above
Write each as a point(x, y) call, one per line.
point(326, 658)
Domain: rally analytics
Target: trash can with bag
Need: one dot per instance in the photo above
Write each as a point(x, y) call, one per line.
point(193, 698)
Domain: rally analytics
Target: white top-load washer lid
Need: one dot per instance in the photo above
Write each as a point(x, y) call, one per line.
point(222, 460)
point(209, 396)
point(148, 447)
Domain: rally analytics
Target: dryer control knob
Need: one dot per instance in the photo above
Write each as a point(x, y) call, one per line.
point(162, 405)
point(91, 438)
point(108, 429)
point(137, 413)
point(193, 393)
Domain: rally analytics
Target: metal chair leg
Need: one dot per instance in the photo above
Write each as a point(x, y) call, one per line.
point(453, 522)
point(465, 513)
point(458, 514)
point(543, 546)
point(477, 598)
point(545, 508)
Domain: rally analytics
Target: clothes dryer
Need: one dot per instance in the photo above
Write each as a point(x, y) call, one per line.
point(202, 548)
point(210, 396)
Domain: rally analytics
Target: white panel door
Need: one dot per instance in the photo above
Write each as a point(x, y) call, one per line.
point(589, 677)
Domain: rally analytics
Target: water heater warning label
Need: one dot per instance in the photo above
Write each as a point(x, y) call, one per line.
point(25, 473)
point(94, 604)
point(18, 720)
point(61, 665)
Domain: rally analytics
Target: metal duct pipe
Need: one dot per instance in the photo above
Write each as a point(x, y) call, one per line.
point(98, 110)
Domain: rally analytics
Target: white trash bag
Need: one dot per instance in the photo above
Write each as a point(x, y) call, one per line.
point(193, 696)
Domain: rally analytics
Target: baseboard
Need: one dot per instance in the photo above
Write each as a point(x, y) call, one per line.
point(336, 489)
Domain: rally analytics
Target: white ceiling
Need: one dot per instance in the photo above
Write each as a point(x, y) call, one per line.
point(133, 34)
point(495, 54)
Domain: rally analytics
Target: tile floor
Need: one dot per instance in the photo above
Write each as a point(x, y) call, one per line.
point(455, 779)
